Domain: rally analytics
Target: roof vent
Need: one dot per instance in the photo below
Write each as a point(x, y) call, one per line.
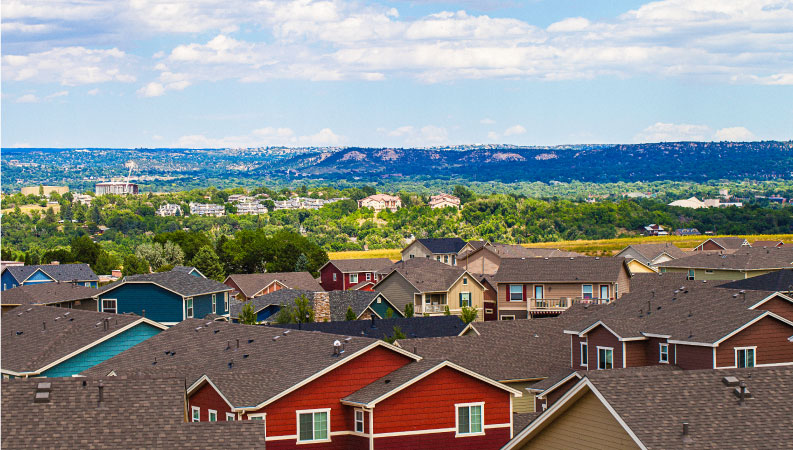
point(216, 331)
point(387, 381)
point(275, 338)
point(347, 339)
point(730, 381)
point(597, 258)
point(198, 328)
point(742, 392)
point(245, 356)
point(337, 348)
point(250, 341)
point(67, 313)
point(287, 332)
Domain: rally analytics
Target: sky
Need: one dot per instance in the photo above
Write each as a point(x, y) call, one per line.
point(377, 73)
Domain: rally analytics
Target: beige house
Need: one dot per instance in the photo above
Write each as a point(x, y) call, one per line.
point(652, 254)
point(443, 250)
point(444, 201)
point(740, 264)
point(379, 202)
point(486, 258)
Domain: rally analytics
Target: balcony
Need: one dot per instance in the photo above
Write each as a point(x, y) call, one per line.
point(557, 305)
point(433, 308)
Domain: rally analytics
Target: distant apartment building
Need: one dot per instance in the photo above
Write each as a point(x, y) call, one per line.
point(44, 190)
point(116, 187)
point(207, 209)
point(444, 201)
point(239, 198)
point(83, 199)
point(251, 208)
point(379, 202)
point(305, 203)
point(169, 210)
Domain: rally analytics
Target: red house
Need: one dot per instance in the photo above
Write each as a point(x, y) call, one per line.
point(343, 274)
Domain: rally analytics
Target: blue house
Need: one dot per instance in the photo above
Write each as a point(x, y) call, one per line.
point(44, 341)
point(79, 274)
point(189, 270)
point(166, 297)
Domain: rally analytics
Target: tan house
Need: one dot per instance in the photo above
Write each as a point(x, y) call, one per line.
point(431, 287)
point(740, 264)
point(444, 201)
point(533, 287)
point(379, 202)
point(443, 250)
point(652, 254)
point(723, 244)
point(486, 258)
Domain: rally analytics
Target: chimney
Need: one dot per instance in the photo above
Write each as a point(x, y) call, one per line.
point(143, 313)
point(101, 392)
point(321, 307)
point(686, 436)
point(54, 263)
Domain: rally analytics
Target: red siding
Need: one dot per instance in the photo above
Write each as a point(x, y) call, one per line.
point(768, 334)
point(344, 442)
point(326, 278)
point(556, 394)
point(692, 357)
point(636, 354)
point(601, 337)
point(492, 440)
point(208, 398)
point(778, 306)
point(576, 349)
point(429, 404)
point(653, 352)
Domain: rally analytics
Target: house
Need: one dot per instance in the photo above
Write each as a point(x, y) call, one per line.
point(654, 408)
point(250, 285)
point(250, 208)
point(169, 210)
point(778, 281)
point(654, 230)
point(377, 328)
point(42, 341)
point(207, 209)
point(188, 270)
point(490, 297)
point(686, 232)
point(112, 412)
point(167, 297)
point(444, 250)
point(342, 274)
point(116, 187)
point(46, 190)
point(379, 202)
point(746, 263)
point(693, 203)
point(530, 287)
point(82, 199)
point(267, 306)
point(769, 244)
point(652, 254)
point(723, 244)
point(487, 258)
point(65, 295)
point(80, 274)
point(444, 201)
point(334, 391)
point(431, 287)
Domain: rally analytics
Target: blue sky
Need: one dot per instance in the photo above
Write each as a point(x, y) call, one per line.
point(239, 73)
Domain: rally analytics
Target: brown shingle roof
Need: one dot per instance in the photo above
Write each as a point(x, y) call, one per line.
point(134, 413)
point(427, 275)
point(728, 243)
point(46, 294)
point(744, 259)
point(652, 251)
point(519, 251)
point(575, 269)
point(251, 283)
point(361, 265)
point(27, 346)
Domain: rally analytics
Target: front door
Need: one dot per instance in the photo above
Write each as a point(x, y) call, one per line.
point(604, 292)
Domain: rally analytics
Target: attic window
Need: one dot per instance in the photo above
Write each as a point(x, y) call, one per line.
point(465, 280)
point(663, 352)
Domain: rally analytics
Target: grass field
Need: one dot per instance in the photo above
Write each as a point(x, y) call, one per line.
point(27, 209)
point(589, 247)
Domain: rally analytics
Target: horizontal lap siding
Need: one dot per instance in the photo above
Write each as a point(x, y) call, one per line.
point(636, 354)
point(326, 275)
point(429, 403)
point(397, 290)
point(576, 349)
point(601, 337)
point(345, 442)
point(328, 390)
point(208, 398)
point(492, 440)
point(557, 393)
point(160, 305)
point(768, 334)
point(691, 357)
point(778, 306)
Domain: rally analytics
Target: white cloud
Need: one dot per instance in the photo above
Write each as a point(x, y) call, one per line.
point(668, 132)
point(487, 121)
point(569, 24)
point(740, 134)
point(93, 91)
point(514, 130)
point(426, 136)
point(28, 98)
point(58, 94)
point(69, 66)
point(263, 137)
point(152, 89)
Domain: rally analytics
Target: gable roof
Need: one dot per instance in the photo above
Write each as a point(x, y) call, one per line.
point(46, 294)
point(412, 327)
point(58, 272)
point(36, 337)
point(127, 417)
point(519, 251)
point(699, 397)
point(767, 244)
point(187, 269)
point(180, 283)
point(360, 265)
point(727, 243)
point(426, 274)
point(276, 298)
point(778, 280)
point(251, 284)
point(575, 269)
point(442, 245)
point(746, 258)
point(277, 360)
point(359, 301)
point(652, 251)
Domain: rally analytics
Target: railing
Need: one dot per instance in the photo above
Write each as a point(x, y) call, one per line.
point(433, 308)
point(560, 304)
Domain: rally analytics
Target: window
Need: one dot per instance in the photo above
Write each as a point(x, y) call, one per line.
point(214, 304)
point(663, 352)
point(586, 291)
point(465, 280)
point(690, 274)
point(109, 305)
point(516, 292)
point(353, 278)
point(507, 317)
point(230, 417)
point(539, 292)
point(616, 290)
point(368, 276)
point(744, 356)
point(213, 415)
point(708, 271)
point(359, 421)
point(488, 311)
point(465, 299)
point(313, 425)
point(256, 416)
point(604, 292)
point(469, 419)
point(584, 354)
point(454, 260)
point(196, 413)
point(189, 306)
point(438, 258)
point(605, 358)
point(411, 256)
point(334, 276)
point(446, 259)
point(226, 301)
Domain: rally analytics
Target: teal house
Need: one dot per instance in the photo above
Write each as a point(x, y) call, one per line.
point(165, 297)
point(44, 341)
point(78, 274)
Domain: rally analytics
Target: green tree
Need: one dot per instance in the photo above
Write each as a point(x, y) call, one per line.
point(208, 263)
point(106, 263)
point(247, 315)
point(134, 265)
point(84, 250)
point(446, 311)
point(303, 310)
point(286, 314)
point(350, 314)
point(409, 310)
point(389, 313)
point(302, 263)
point(398, 334)
point(469, 314)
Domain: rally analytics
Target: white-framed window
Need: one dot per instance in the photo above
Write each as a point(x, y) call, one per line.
point(226, 301)
point(109, 305)
point(708, 271)
point(539, 292)
point(313, 425)
point(189, 307)
point(586, 291)
point(691, 274)
point(465, 280)
point(368, 276)
point(507, 317)
point(438, 258)
point(353, 278)
point(605, 358)
point(663, 352)
point(516, 292)
point(488, 311)
point(465, 299)
point(196, 416)
point(584, 354)
point(334, 277)
point(257, 416)
point(359, 420)
point(214, 304)
point(230, 417)
point(470, 419)
point(745, 356)
point(454, 260)
point(616, 290)
point(213, 415)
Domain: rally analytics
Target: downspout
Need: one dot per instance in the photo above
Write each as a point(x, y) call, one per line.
point(371, 429)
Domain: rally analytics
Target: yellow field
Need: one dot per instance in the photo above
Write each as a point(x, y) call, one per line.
point(27, 209)
point(589, 247)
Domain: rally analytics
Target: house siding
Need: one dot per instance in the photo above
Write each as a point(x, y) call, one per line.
point(548, 400)
point(778, 306)
point(692, 357)
point(202, 305)
point(576, 352)
point(160, 305)
point(525, 404)
point(206, 398)
point(601, 337)
point(482, 262)
point(477, 296)
point(8, 280)
point(636, 354)
point(382, 308)
point(494, 439)
point(508, 308)
point(102, 351)
point(585, 424)
point(397, 290)
point(326, 278)
point(416, 249)
point(768, 334)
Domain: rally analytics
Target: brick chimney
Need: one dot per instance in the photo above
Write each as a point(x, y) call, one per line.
point(321, 307)
point(55, 263)
point(115, 273)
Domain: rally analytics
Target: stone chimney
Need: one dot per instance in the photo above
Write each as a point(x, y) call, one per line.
point(321, 307)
